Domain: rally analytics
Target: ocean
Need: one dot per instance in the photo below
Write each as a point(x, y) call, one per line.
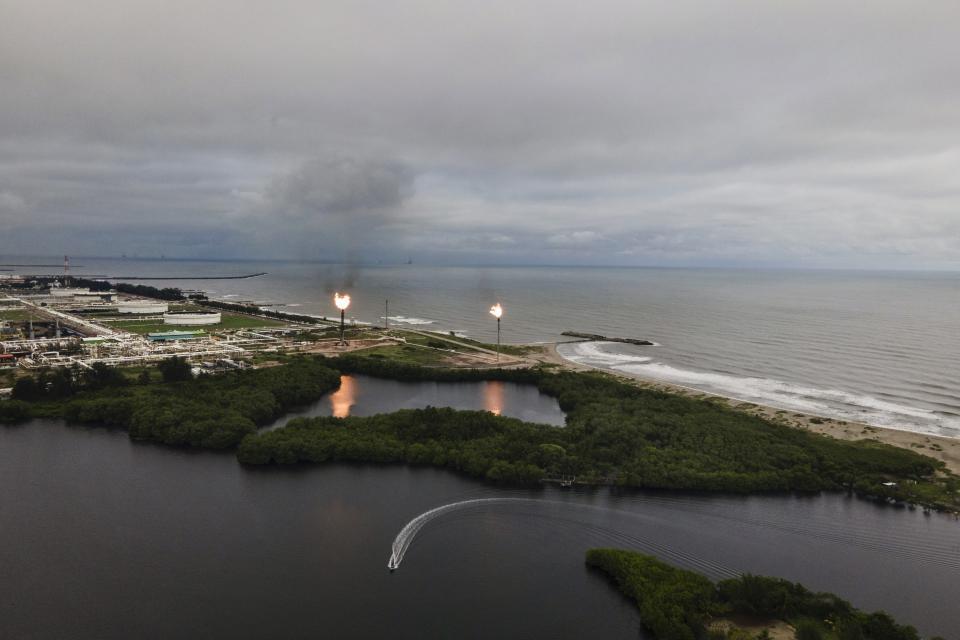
point(874, 347)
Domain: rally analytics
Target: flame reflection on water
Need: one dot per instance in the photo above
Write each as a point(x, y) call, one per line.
point(493, 397)
point(343, 399)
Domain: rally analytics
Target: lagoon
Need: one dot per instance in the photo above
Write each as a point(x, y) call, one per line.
point(361, 395)
point(101, 537)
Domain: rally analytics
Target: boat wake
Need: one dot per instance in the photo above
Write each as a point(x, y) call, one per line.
point(406, 536)
point(662, 513)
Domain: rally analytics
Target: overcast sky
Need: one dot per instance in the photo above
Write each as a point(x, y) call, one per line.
point(650, 133)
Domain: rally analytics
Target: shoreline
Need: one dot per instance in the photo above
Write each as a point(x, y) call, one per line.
point(940, 448)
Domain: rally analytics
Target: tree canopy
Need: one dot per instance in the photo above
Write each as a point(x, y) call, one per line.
point(676, 604)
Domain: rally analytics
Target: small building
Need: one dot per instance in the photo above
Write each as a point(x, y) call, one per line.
point(172, 336)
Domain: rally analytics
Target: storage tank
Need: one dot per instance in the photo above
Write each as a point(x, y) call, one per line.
point(142, 307)
point(67, 292)
point(192, 319)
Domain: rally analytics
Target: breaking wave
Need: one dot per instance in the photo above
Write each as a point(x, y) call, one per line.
point(408, 320)
point(833, 403)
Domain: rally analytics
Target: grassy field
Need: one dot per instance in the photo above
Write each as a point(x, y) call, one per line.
point(229, 321)
point(508, 349)
point(442, 341)
point(408, 354)
point(15, 314)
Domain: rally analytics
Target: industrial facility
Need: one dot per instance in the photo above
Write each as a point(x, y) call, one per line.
point(52, 322)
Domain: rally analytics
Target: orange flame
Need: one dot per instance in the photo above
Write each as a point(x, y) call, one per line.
point(496, 311)
point(342, 301)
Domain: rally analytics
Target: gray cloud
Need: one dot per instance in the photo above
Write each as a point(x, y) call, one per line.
point(340, 187)
point(335, 207)
point(12, 206)
point(815, 133)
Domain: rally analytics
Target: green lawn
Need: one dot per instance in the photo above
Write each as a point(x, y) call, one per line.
point(229, 321)
point(14, 315)
point(443, 341)
point(406, 354)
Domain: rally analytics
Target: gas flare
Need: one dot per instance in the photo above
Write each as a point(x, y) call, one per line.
point(496, 311)
point(342, 301)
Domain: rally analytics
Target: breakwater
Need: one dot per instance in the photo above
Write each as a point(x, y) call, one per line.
point(599, 338)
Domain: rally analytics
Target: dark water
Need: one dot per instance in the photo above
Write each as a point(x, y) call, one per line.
point(360, 395)
point(104, 538)
point(101, 538)
point(874, 347)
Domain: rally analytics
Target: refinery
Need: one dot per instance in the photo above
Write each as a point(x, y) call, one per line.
point(54, 322)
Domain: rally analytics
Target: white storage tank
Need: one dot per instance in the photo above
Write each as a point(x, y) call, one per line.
point(94, 296)
point(142, 307)
point(67, 292)
point(192, 319)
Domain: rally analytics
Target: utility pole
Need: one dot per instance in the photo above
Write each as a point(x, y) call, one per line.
point(386, 314)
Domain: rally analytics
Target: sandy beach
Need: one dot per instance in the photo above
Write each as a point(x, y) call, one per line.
point(941, 448)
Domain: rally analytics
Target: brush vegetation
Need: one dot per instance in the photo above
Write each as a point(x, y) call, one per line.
point(212, 412)
point(615, 433)
point(676, 604)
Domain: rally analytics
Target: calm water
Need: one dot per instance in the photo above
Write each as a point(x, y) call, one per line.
point(875, 347)
point(360, 395)
point(104, 538)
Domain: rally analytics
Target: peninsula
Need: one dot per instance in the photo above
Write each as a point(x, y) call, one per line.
point(676, 604)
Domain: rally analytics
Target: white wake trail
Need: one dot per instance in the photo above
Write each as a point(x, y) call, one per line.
point(402, 542)
point(405, 538)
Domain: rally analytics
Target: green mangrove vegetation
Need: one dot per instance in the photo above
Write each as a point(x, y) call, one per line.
point(256, 310)
point(616, 434)
point(476, 443)
point(213, 412)
point(168, 293)
point(676, 604)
